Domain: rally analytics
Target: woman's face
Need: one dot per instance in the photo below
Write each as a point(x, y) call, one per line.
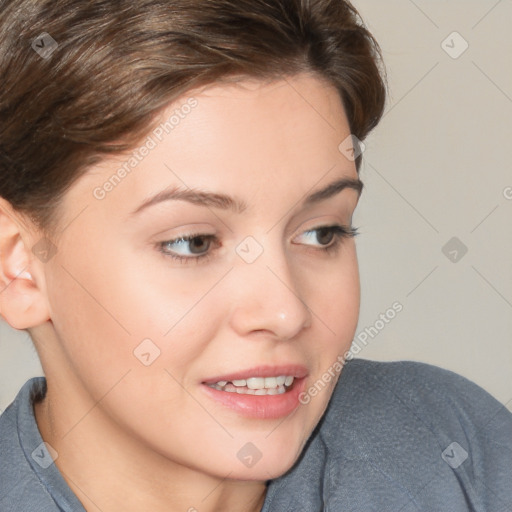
point(260, 292)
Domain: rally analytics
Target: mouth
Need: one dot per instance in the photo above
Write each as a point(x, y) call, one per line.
point(263, 392)
point(256, 385)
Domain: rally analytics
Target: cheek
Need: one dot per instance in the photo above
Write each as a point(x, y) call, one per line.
point(90, 320)
point(113, 313)
point(335, 299)
point(94, 311)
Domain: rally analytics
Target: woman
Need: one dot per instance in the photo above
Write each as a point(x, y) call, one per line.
point(177, 186)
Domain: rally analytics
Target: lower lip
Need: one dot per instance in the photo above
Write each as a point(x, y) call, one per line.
point(260, 406)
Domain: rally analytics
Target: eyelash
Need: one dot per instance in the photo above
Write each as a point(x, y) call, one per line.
point(340, 233)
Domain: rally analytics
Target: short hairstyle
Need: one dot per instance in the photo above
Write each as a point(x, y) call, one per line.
point(119, 63)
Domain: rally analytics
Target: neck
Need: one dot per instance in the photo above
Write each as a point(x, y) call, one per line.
point(108, 469)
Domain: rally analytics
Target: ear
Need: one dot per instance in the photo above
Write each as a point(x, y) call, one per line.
point(22, 301)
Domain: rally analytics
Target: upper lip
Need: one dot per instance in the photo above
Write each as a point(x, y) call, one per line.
point(295, 370)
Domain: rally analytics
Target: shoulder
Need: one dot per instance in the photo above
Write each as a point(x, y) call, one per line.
point(407, 392)
point(412, 382)
point(407, 422)
point(410, 385)
point(20, 448)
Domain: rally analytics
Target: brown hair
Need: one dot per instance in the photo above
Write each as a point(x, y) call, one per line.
point(119, 63)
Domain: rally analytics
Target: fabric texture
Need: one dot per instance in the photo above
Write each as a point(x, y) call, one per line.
point(396, 437)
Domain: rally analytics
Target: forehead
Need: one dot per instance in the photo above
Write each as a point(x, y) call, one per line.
point(248, 135)
point(306, 94)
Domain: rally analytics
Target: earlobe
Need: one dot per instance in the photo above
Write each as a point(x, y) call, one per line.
point(22, 303)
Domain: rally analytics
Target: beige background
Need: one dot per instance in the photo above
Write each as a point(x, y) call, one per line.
point(438, 166)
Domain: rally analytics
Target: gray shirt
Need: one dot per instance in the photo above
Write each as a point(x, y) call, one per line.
point(397, 437)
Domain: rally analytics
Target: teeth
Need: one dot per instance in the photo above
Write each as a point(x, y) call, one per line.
point(271, 391)
point(270, 382)
point(256, 385)
point(242, 391)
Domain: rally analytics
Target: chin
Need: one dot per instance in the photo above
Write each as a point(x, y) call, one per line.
point(265, 459)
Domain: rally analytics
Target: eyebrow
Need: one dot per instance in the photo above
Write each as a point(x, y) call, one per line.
point(225, 202)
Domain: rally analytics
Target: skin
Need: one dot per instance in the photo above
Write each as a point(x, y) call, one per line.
point(131, 437)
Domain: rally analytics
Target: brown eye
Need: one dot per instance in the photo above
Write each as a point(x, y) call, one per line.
point(199, 244)
point(325, 235)
point(197, 247)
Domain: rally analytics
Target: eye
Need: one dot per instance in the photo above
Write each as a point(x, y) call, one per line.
point(326, 234)
point(196, 247)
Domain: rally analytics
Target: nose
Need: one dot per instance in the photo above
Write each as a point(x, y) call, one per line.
point(267, 298)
